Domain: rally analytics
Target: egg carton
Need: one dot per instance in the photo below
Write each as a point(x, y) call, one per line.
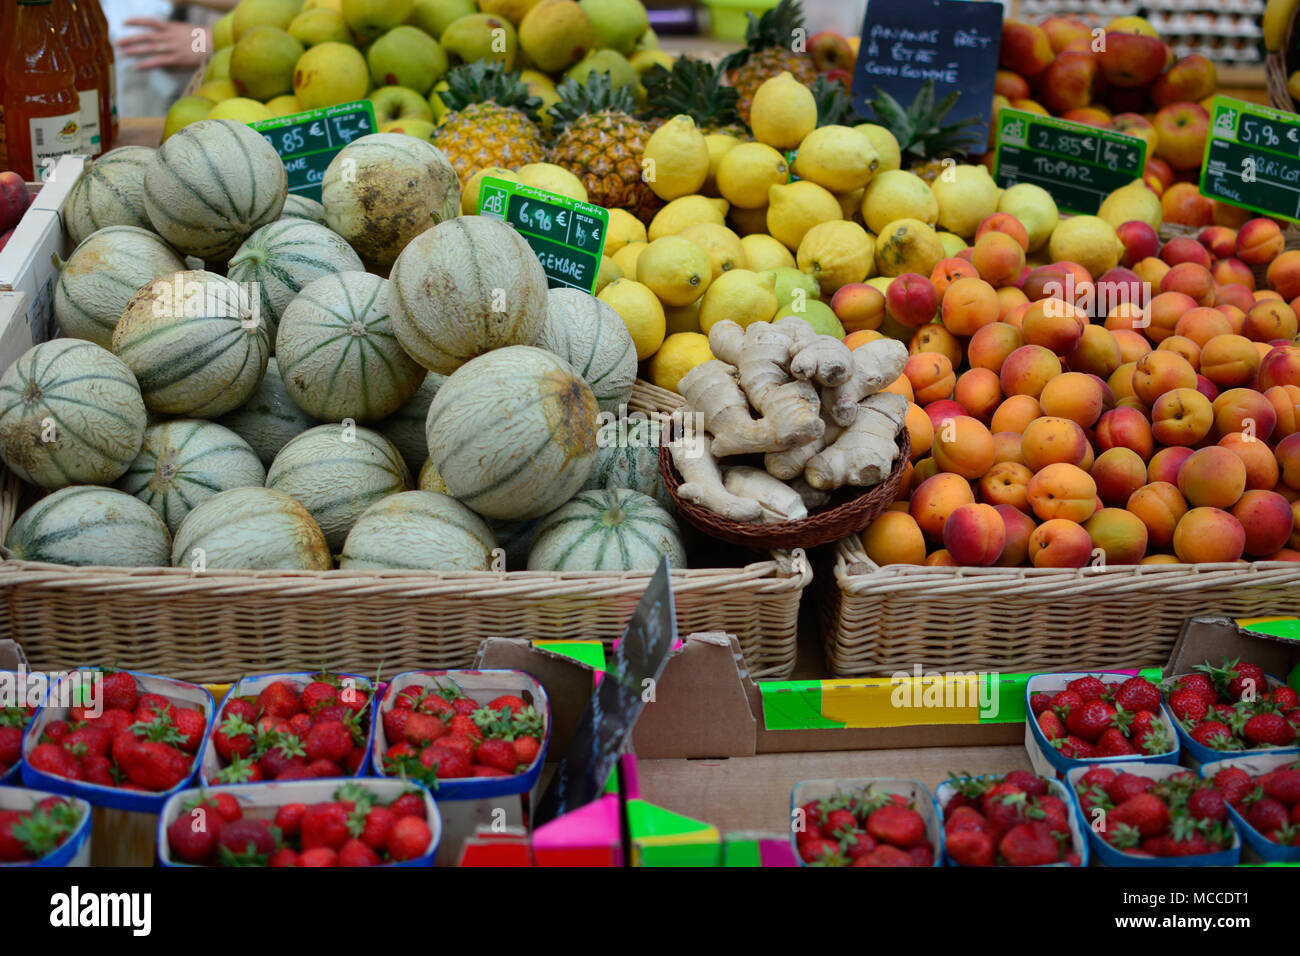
point(1207, 24)
point(1101, 10)
point(1250, 7)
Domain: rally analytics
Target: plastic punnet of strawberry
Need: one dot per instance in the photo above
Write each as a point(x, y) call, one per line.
point(1101, 715)
point(14, 721)
point(1234, 706)
point(27, 836)
point(863, 827)
point(1013, 819)
point(1268, 802)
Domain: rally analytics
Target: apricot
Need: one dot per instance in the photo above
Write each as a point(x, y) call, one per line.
point(1192, 280)
point(1288, 460)
point(1209, 536)
point(948, 271)
point(1201, 324)
point(1238, 295)
point(1266, 519)
point(922, 469)
point(990, 346)
point(1160, 506)
point(894, 538)
point(1180, 345)
point(1232, 271)
point(1098, 352)
point(1006, 483)
point(1269, 319)
point(999, 258)
point(1015, 413)
point(1062, 490)
point(1019, 526)
point(1284, 274)
point(1182, 416)
point(1163, 312)
point(1245, 410)
point(1074, 395)
point(911, 300)
point(938, 497)
point(979, 392)
point(1212, 477)
point(901, 386)
point(941, 559)
point(1006, 447)
point(1229, 361)
point(1164, 464)
point(931, 376)
point(1049, 439)
point(937, 339)
point(1060, 543)
point(1159, 372)
point(974, 535)
point(1118, 534)
point(1182, 249)
point(1285, 402)
point(1028, 369)
point(1120, 383)
point(859, 307)
point(1259, 242)
point(1053, 324)
point(963, 446)
point(1118, 472)
point(1258, 459)
point(1125, 428)
point(1006, 223)
point(1010, 298)
point(1132, 345)
point(920, 429)
point(1281, 366)
point(969, 305)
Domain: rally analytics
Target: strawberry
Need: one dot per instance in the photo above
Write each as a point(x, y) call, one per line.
point(279, 699)
point(818, 851)
point(407, 697)
point(353, 761)
point(1127, 785)
point(299, 724)
point(1090, 719)
point(88, 741)
point(157, 766)
point(1214, 734)
point(1234, 783)
point(1145, 812)
point(192, 836)
point(1087, 688)
point(1029, 844)
point(885, 855)
point(1076, 748)
point(1113, 743)
point(1152, 740)
point(354, 696)
point(462, 745)
point(1189, 706)
point(1267, 815)
point(241, 770)
point(12, 849)
point(288, 819)
point(1006, 811)
point(1283, 784)
point(1184, 839)
point(1065, 701)
point(340, 712)
point(1207, 803)
point(526, 750)
point(321, 767)
point(233, 736)
point(1039, 702)
point(464, 706)
point(408, 839)
point(374, 832)
point(53, 759)
point(318, 856)
point(324, 824)
point(283, 751)
point(463, 725)
point(1284, 698)
point(1029, 783)
point(856, 844)
point(55, 731)
point(318, 694)
point(1268, 730)
point(11, 746)
point(516, 704)
point(1295, 814)
point(240, 707)
point(967, 818)
point(970, 847)
point(445, 762)
point(118, 691)
point(1050, 725)
point(1286, 836)
point(150, 706)
point(191, 725)
point(409, 804)
point(115, 721)
point(901, 826)
point(1137, 693)
point(423, 729)
point(437, 705)
point(499, 754)
point(1054, 812)
point(922, 855)
point(285, 856)
point(356, 853)
point(329, 740)
point(1098, 777)
point(395, 723)
point(1198, 683)
point(246, 842)
point(1247, 679)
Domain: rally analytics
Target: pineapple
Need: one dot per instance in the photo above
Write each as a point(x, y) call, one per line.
point(923, 140)
point(601, 142)
point(767, 53)
point(491, 120)
point(694, 88)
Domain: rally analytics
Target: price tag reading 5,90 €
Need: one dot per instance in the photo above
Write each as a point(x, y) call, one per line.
point(1252, 158)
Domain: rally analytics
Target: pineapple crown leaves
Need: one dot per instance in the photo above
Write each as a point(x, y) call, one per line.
point(693, 87)
point(834, 105)
point(485, 81)
point(597, 95)
point(775, 28)
point(919, 128)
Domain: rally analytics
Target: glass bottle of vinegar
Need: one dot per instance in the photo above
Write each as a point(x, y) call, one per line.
point(83, 48)
point(107, 62)
point(42, 110)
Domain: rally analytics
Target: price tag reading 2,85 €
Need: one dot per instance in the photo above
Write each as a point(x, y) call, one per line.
point(307, 142)
point(1252, 158)
point(568, 235)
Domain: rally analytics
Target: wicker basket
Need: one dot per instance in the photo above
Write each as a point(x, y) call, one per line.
point(213, 627)
point(1276, 73)
point(879, 620)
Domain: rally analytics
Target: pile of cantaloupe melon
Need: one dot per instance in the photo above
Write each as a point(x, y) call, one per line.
point(250, 380)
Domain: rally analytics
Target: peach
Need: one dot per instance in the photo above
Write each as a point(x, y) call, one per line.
point(948, 271)
point(1212, 477)
point(1074, 395)
point(931, 376)
point(1060, 543)
point(1132, 345)
point(1019, 526)
point(1118, 472)
point(858, 306)
point(1160, 506)
point(936, 498)
point(1125, 428)
point(1062, 490)
point(1285, 402)
point(1219, 241)
point(1161, 371)
point(1015, 413)
point(1185, 249)
point(1164, 311)
point(1118, 534)
point(912, 300)
point(1258, 459)
point(990, 346)
point(1202, 324)
point(920, 429)
point(963, 446)
point(1011, 85)
point(1181, 345)
point(941, 559)
point(1190, 80)
point(1288, 460)
point(968, 305)
point(1006, 447)
point(1164, 464)
point(1131, 60)
point(1284, 274)
point(894, 538)
point(1007, 223)
point(1098, 352)
point(1006, 484)
point(974, 535)
point(1245, 410)
point(900, 386)
point(1028, 369)
point(1182, 416)
point(1268, 320)
point(1025, 48)
point(1067, 87)
point(936, 339)
point(1229, 360)
point(1054, 324)
point(1259, 242)
point(1233, 271)
point(1151, 270)
point(999, 258)
point(1191, 279)
point(1281, 366)
point(1209, 535)
point(1183, 205)
point(1182, 128)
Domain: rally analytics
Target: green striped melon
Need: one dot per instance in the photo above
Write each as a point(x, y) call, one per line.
point(405, 427)
point(254, 529)
point(194, 344)
point(466, 287)
point(628, 457)
point(300, 207)
point(337, 472)
point(421, 530)
point(102, 274)
point(211, 185)
point(284, 256)
point(591, 337)
point(337, 352)
point(70, 414)
point(109, 192)
point(513, 432)
point(383, 190)
point(612, 530)
point(270, 417)
point(90, 525)
point(185, 462)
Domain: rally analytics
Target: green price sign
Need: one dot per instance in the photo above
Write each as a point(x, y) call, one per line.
point(1252, 158)
point(307, 142)
point(1079, 165)
point(568, 235)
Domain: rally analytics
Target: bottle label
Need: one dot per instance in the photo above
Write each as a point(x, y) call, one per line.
point(90, 136)
point(112, 93)
point(54, 136)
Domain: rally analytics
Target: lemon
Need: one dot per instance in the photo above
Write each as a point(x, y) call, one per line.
point(748, 222)
point(898, 195)
point(740, 295)
point(765, 253)
point(284, 105)
point(624, 228)
point(720, 244)
point(796, 208)
point(952, 244)
point(836, 253)
point(435, 101)
point(469, 198)
point(851, 205)
point(676, 159)
point(687, 211)
point(720, 144)
point(1088, 240)
point(817, 314)
point(640, 311)
point(966, 195)
point(837, 157)
point(554, 179)
point(680, 353)
point(907, 245)
point(1035, 208)
point(675, 269)
point(609, 271)
point(217, 90)
point(891, 157)
point(683, 318)
point(626, 257)
point(748, 171)
point(783, 112)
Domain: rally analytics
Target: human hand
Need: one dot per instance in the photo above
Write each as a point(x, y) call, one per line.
point(165, 44)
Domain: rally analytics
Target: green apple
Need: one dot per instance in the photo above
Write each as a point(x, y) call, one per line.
point(434, 16)
point(618, 23)
point(320, 25)
point(370, 19)
point(420, 129)
point(186, 110)
point(482, 36)
point(223, 32)
point(218, 67)
point(406, 56)
point(621, 72)
point(262, 13)
point(330, 74)
point(262, 65)
point(399, 103)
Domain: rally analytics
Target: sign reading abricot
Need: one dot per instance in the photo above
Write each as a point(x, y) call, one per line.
point(568, 235)
point(1252, 158)
point(307, 142)
point(953, 42)
point(1079, 165)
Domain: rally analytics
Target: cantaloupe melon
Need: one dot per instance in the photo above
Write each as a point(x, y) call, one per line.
point(184, 462)
point(297, 206)
point(405, 427)
point(627, 456)
point(383, 190)
point(102, 274)
point(270, 417)
point(613, 530)
point(337, 352)
point(337, 472)
point(211, 185)
point(513, 432)
point(418, 529)
point(282, 257)
point(109, 192)
point(591, 337)
point(463, 288)
point(255, 529)
point(70, 413)
point(195, 345)
point(90, 525)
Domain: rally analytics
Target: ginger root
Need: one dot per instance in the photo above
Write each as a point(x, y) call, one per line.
point(812, 498)
point(791, 406)
point(725, 339)
point(863, 454)
point(778, 500)
point(711, 389)
point(702, 478)
point(875, 365)
point(823, 359)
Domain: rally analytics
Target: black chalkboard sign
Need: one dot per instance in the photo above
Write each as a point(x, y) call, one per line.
point(307, 142)
point(606, 725)
point(952, 42)
point(1252, 158)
